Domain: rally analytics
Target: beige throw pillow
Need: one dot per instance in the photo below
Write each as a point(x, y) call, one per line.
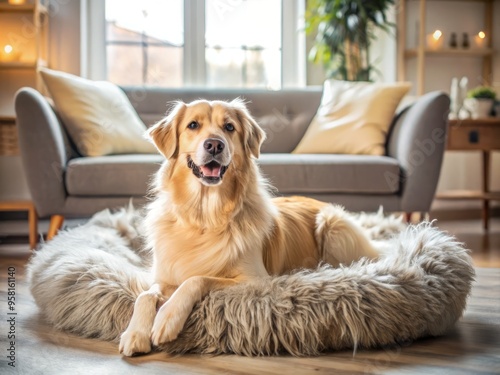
point(98, 115)
point(353, 118)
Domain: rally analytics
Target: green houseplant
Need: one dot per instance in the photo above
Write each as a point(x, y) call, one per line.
point(344, 31)
point(482, 92)
point(479, 101)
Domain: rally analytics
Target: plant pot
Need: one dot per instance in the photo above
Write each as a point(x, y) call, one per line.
point(478, 108)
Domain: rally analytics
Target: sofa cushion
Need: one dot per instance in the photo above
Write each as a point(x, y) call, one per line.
point(97, 115)
point(353, 118)
point(284, 115)
point(114, 175)
point(130, 175)
point(283, 130)
point(326, 173)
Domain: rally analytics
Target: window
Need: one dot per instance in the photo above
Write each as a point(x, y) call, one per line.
point(213, 43)
point(250, 56)
point(144, 42)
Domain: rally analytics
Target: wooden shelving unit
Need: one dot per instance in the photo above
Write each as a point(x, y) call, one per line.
point(22, 64)
point(32, 217)
point(8, 136)
point(23, 8)
point(38, 13)
point(421, 51)
point(475, 52)
point(470, 195)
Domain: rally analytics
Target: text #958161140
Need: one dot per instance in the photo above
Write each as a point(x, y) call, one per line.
point(11, 316)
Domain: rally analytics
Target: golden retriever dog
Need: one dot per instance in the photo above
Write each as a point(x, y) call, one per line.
point(213, 222)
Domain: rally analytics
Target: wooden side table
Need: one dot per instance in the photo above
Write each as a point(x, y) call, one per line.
point(475, 135)
point(32, 217)
point(10, 147)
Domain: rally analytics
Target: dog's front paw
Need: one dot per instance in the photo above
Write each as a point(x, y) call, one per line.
point(167, 326)
point(134, 342)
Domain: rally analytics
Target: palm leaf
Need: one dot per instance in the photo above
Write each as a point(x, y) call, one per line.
point(337, 21)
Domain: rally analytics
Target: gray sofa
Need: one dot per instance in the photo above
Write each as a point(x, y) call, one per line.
point(64, 183)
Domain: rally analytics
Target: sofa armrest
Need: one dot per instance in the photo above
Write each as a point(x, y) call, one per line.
point(44, 150)
point(418, 140)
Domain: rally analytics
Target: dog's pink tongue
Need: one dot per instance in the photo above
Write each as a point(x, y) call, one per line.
point(211, 171)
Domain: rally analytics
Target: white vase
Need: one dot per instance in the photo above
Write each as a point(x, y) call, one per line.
point(454, 98)
point(478, 108)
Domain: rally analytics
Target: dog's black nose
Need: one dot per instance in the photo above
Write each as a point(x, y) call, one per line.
point(214, 146)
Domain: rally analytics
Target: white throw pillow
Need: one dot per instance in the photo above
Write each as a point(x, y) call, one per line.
point(98, 115)
point(353, 118)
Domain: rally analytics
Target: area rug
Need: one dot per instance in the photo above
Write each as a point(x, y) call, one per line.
point(86, 280)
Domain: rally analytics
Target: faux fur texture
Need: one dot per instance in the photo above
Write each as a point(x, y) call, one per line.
point(86, 280)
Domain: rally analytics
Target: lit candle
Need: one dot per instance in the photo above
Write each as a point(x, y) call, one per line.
point(480, 39)
point(8, 53)
point(435, 40)
point(17, 2)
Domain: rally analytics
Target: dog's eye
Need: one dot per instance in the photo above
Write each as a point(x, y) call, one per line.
point(193, 125)
point(229, 127)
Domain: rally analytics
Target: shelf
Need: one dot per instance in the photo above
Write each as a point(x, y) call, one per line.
point(22, 64)
point(17, 65)
point(473, 52)
point(421, 51)
point(24, 8)
point(469, 194)
point(465, 1)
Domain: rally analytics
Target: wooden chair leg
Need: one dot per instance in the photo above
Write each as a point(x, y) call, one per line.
point(56, 222)
point(33, 227)
point(424, 216)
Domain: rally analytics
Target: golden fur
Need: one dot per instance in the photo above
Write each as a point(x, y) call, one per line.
point(213, 222)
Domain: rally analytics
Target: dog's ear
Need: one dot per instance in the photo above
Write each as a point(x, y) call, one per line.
point(164, 133)
point(253, 136)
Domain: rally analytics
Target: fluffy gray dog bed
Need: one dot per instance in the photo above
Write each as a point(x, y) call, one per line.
point(86, 280)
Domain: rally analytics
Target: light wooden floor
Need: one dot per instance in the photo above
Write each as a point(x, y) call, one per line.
point(484, 246)
point(472, 347)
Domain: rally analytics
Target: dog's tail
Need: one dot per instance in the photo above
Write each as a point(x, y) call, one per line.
point(86, 280)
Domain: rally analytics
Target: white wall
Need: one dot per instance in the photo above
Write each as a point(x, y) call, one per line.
point(65, 28)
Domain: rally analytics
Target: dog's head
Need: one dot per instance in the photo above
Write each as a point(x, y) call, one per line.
point(208, 138)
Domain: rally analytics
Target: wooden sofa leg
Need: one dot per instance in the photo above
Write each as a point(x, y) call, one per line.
point(424, 216)
point(56, 222)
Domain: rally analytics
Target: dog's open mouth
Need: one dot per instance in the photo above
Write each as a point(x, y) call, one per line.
point(211, 173)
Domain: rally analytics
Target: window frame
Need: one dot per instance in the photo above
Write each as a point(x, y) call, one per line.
point(293, 52)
